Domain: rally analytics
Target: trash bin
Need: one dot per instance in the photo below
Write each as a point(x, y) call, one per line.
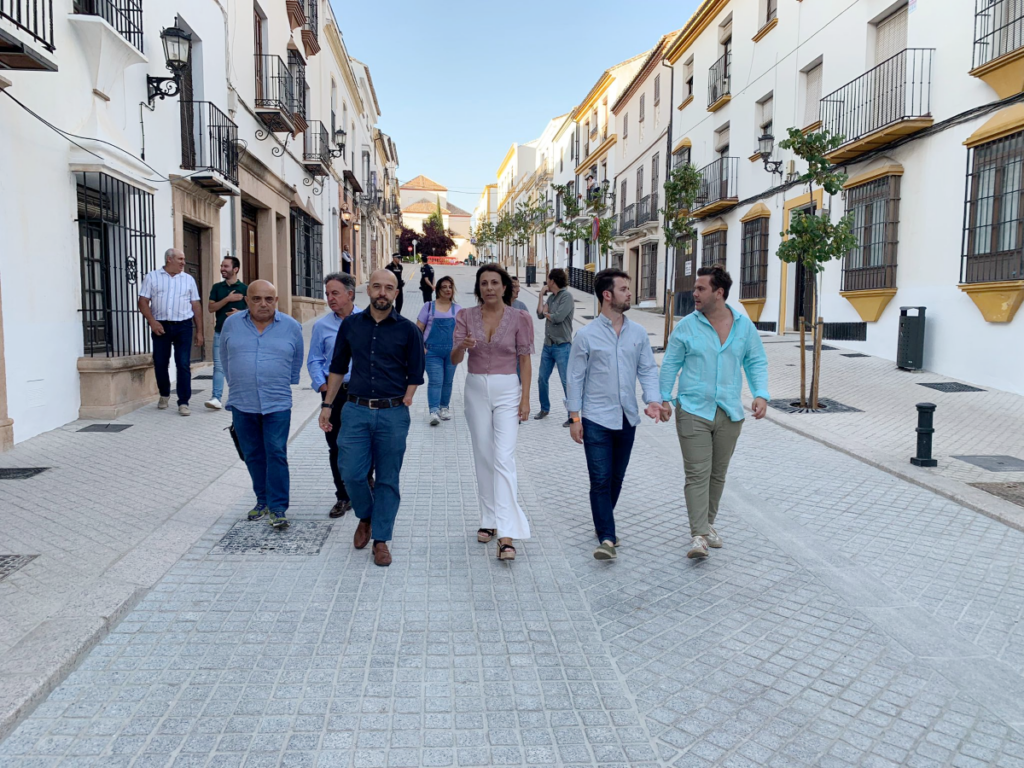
point(910, 349)
point(531, 274)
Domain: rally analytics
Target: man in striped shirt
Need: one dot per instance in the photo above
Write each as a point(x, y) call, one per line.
point(169, 300)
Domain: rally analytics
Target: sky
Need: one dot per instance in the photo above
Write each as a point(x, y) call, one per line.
point(458, 81)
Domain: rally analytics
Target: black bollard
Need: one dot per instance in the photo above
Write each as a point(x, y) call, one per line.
point(925, 430)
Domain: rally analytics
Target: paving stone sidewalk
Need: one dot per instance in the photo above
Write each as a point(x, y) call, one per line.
point(852, 619)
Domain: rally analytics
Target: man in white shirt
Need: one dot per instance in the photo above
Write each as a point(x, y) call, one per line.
point(169, 300)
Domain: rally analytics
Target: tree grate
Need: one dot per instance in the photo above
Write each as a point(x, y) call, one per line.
point(105, 428)
point(258, 538)
point(825, 405)
point(810, 347)
point(1012, 492)
point(204, 377)
point(995, 463)
point(855, 354)
point(194, 390)
point(20, 473)
point(950, 386)
point(11, 563)
point(657, 350)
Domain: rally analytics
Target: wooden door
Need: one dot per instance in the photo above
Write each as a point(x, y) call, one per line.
point(250, 257)
point(685, 277)
point(188, 117)
point(192, 245)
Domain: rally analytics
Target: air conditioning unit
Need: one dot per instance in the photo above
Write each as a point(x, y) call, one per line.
point(714, 93)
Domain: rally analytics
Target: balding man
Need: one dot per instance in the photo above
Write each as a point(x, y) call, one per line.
point(261, 350)
point(387, 357)
point(169, 300)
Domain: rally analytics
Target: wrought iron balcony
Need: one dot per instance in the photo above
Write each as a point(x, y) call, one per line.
point(311, 29)
point(887, 102)
point(297, 67)
point(627, 220)
point(275, 88)
point(123, 15)
point(643, 211)
point(717, 189)
point(34, 19)
point(316, 149)
point(209, 146)
point(998, 30)
point(719, 82)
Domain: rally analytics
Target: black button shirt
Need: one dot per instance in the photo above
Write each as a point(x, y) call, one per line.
point(387, 357)
point(396, 270)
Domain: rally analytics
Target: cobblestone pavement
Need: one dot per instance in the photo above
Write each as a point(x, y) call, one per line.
point(852, 619)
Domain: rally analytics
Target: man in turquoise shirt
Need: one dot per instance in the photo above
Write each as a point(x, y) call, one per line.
point(712, 347)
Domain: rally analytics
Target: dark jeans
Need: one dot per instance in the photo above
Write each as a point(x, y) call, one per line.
point(550, 356)
point(399, 300)
point(179, 335)
point(374, 437)
point(428, 295)
point(264, 441)
point(332, 443)
point(607, 452)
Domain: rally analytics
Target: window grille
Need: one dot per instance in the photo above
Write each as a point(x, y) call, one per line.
point(307, 256)
point(992, 248)
point(754, 259)
point(713, 249)
point(876, 211)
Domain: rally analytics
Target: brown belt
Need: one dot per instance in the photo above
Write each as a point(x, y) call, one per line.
point(391, 402)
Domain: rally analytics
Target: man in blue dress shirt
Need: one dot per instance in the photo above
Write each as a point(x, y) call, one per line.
point(607, 358)
point(713, 347)
point(261, 349)
point(340, 290)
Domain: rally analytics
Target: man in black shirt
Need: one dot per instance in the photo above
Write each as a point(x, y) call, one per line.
point(427, 280)
point(395, 268)
point(387, 356)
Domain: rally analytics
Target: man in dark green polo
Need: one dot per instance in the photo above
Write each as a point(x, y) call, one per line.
point(226, 298)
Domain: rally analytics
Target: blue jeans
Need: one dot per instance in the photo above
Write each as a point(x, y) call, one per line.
point(264, 441)
point(218, 368)
point(440, 377)
point(177, 334)
point(550, 356)
point(607, 452)
point(374, 437)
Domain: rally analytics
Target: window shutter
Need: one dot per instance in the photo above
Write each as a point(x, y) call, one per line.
point(813, 99)
point(891, 36)
point(766, 111)
point(722, 139)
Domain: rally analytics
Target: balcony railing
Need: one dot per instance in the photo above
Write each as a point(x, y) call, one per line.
point(275, 87)
point(311, 29)
point(209, 141)
point(643, 211)
point(316, 150)
point(123, 15)
point(893, 99)
point(718, 79)
point(717, 186)
point(34, 17)
point(998, 29)
point(628, 218)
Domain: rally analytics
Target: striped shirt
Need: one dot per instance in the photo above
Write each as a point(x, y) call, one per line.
point(170, 296)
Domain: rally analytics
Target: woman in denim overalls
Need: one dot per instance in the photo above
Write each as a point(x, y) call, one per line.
point(437, 322)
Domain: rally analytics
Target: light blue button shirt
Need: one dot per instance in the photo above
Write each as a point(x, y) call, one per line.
point(261, 367)
point(321, 348)
point(603, 370)
point(712, 372)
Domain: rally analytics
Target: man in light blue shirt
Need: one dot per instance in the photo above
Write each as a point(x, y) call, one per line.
point(713, 347)
point(261, 349)
point(340, 289)
point(607, 358)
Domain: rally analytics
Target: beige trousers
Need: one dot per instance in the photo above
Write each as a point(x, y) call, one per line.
point(707, 447)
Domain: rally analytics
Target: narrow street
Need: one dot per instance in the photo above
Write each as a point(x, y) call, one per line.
point(852, 618)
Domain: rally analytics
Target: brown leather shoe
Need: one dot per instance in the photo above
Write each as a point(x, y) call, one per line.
point(381, 555)
point(362, 537)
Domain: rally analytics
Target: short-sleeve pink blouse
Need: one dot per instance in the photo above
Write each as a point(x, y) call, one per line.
point(513, 337)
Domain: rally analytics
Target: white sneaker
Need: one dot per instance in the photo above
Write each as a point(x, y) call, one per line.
point(698, 548)
point(713, 539)
point(445, 414)
point(434, 419)
point(213, 404)
point(162, 403)
point(184, 411)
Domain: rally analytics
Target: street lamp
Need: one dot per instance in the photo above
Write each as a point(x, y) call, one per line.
point(347, 216)
point(766, 145)
point(177, 54)
point(339, 141)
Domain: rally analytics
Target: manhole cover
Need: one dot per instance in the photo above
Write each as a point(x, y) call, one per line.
point(810, 347)
point(20, 473)
point(203, 377)
point(950, 386)
point(258, 538)
point(854, 354)
point(10, 563)
point(995, 463)
point(194, 390)
point(1012, 492)
point(792, 405)
point(105, 428)
point(588, 317)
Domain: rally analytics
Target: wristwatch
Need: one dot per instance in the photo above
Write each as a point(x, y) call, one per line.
point(326, 405)
point(574, 419)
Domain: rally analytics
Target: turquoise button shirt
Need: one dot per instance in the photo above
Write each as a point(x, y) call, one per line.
point(712, 372)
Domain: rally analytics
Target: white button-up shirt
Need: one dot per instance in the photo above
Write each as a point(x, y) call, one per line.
point(170, 296)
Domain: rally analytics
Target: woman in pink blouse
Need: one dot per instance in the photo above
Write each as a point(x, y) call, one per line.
point(497, 337)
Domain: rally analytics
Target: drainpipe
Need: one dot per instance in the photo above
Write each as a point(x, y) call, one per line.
point(668, 165)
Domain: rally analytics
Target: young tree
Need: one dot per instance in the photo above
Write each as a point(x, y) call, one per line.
point(813, 239)
point(681, 189)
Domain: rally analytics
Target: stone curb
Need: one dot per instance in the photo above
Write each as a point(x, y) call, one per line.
point(42, 659)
